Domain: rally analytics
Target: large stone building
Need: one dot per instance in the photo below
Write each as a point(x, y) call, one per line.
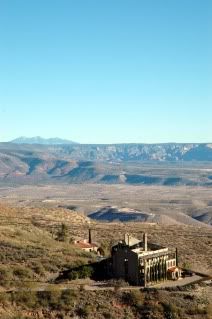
point(143, 263)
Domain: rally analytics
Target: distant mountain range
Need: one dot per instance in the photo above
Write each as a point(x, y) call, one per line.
point(118, 152)
point(154, 164)
point(41, 140)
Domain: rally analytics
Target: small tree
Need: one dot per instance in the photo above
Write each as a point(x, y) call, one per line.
point(86, 272)
point(106, 246)
point(62, 233)
point(73, 275)
point(186, 265)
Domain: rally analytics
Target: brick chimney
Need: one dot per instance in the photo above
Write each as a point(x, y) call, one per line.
point(89, 237)
point(176, 256)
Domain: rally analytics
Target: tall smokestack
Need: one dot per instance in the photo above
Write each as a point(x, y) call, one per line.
point(89, 237)
point(127, 239)
point(145, 242)
point(176, 256)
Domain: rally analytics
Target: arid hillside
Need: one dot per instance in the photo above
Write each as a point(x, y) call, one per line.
point(34, 229)
point(32, 257)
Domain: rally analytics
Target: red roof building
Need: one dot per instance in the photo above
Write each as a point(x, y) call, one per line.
point(84, 245)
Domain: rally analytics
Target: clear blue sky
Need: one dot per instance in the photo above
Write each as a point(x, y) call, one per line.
point(106, 71)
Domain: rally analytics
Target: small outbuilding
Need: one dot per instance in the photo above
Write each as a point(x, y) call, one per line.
point(174, 273)
point(87, 245)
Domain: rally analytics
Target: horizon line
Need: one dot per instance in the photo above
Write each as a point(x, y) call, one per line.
point(104, 143)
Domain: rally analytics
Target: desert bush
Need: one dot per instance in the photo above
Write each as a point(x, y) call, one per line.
point(47, 298)
point(86, 272)
point(133, 298)
point(26, 299)
point(49, 266)
point(118, 284)
point(82, 287)
point(22, 272)
point(5, 276)
point(186, 265)
point(56, 300)
point(106, 247)
point(197, 310)
point(82, 312)
point(170, 310)
point(80, 273)
point(38, 268)
point(72, 275)
point(71, 240)
point(3, 298)
point(67, 299)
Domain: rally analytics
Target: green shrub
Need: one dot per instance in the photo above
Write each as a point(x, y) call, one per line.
point(86, 272)
point(186, 265)
point(81, 273)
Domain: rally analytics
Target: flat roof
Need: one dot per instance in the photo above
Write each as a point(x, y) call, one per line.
point(150, 253)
